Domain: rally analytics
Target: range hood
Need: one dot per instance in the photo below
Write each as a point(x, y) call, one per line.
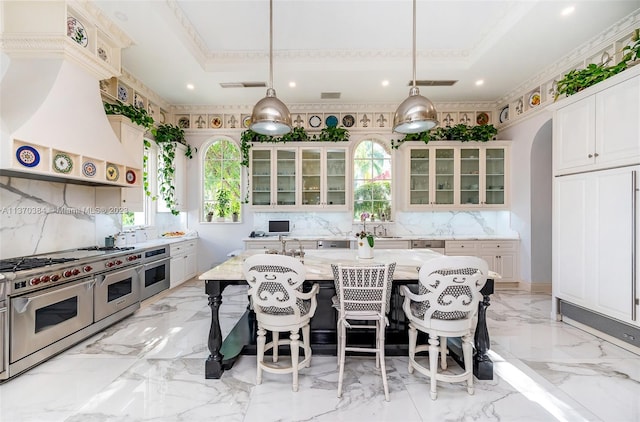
point(52, 122)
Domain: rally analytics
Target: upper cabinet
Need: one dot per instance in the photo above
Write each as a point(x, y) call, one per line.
point(274, 177)
point(305, 177)
point(446, 176)
point(599, 127)
point(324, 178)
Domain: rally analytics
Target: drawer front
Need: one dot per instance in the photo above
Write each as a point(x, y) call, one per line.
point(468, 247)
point(499, 245)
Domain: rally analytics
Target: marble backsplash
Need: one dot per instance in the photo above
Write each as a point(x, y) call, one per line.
point(41, 217)
point(431, 223)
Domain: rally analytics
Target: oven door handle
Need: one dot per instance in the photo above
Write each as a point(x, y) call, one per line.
point(20, 304)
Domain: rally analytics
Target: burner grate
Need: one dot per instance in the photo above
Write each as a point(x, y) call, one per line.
point(21, 264)
point(107, 248)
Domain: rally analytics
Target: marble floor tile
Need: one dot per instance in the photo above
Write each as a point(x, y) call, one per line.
point(150, 367)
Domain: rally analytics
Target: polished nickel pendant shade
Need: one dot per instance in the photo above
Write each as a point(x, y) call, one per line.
point(415, 114)
point(270, 116)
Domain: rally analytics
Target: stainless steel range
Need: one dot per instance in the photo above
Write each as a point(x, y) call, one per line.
point(56, 300)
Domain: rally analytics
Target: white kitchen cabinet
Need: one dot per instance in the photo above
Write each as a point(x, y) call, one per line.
point(600, 127)
point(183, 261)
point(452, 176)
point(179, 180)
point(274, 177)
point(501, 255)
point(594, 219)
point(324, 182)
point(392, 244)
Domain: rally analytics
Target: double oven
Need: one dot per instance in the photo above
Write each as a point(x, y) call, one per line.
point(156, 271)
point(57, 300)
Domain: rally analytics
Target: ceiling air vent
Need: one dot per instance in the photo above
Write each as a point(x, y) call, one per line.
point(330, 95)
point(426, 82)
point(243, 84)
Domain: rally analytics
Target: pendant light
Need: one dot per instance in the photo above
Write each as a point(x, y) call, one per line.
point(270, 116)
point(416, 114)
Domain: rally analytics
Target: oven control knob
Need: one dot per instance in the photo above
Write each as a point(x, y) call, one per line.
point(67, 273)
point(45, 278)
point(34, 281)
point(55, 277)
point(118, 262)
point(87, 268)
point(109, 264)
point(76, 271)
point(132, 258)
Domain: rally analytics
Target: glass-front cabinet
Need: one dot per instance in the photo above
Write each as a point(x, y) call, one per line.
point(459, 176)
point(273, 177)
point(323, 177)
point(304, 177)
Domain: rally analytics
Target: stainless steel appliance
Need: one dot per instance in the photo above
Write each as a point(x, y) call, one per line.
point(156, 271)
point(3, 330)
point(56, 300)
point(335, 244)
point(434, 245)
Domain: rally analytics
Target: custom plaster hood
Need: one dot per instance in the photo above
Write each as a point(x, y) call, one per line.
point(51, 112)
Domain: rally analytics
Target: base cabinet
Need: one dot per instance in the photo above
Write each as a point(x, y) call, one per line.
point(501, 255)
point(183, 262)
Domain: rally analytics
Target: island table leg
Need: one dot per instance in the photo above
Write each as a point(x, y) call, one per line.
point(213, 366)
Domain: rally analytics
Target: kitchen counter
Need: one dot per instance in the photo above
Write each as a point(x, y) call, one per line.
point(404, 237)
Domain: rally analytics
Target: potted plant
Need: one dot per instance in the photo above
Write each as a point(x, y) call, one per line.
point(223, 203)
point(208, 209)
point(235, 210)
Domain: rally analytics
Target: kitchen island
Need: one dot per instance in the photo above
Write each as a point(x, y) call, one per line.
point(241, 339)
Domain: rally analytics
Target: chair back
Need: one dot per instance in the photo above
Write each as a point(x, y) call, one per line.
point(363, 288)
point(451, 286)
point(275, 284)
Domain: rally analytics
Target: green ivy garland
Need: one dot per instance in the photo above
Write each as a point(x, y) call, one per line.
point(460, 132)
point(165, 136)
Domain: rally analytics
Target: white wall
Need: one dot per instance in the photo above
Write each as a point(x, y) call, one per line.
point(523, 135)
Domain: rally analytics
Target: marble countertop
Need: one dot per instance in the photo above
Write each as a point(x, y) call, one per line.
point(404, 237)
point(318, 263)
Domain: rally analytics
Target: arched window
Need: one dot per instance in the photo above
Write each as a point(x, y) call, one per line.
point(371, 179)
point(221, 182)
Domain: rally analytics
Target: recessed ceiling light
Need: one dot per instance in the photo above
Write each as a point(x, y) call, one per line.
point(191, 87)
point(385, 83)
point(568, 10)
point(479, 82)
point(292, 84)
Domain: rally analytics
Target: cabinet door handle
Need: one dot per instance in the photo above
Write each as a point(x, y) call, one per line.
point(590, 155)
point(595, 154)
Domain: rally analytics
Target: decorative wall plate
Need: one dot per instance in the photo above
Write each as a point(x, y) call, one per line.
point(504, 114)
point(246, 121)
point(131, 177)
point(482, 118)
point(534, 99)
point(62, 163)
point(348, 120)
point(331, 121)
point(162, 118)
point(315, 121)
point(76, 31)
point(89, 169)
point(216, 122)
point(183, 122)
point(112, 173)
point(123, 94)
point(28, 156)
point(138, 100)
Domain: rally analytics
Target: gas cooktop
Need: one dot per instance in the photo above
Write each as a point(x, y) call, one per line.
point(26, 263)
point(106, 248)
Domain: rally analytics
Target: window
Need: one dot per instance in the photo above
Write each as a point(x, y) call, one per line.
point(221, 181)
point(371, 179)
point(144, 218)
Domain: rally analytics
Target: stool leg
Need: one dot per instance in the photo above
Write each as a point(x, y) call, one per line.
point(413, 338)
point(306, 341)
point(295, 351)
point(276, 337)
point(433, 363)
point(338, 340)
point(467, 353)
point(443, 353)
point(378, 328)
point(380, 353)
point(341, 353)
point(261, 340)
